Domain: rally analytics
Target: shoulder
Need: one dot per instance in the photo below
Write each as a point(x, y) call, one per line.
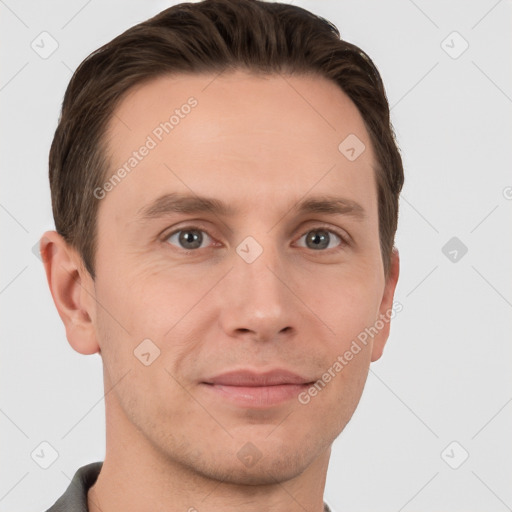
point(74, 498)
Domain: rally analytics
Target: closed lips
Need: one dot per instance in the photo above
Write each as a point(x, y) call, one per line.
point(249, 378)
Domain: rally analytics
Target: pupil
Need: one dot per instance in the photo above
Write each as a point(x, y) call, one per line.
point(191, 237)
point(318, 240)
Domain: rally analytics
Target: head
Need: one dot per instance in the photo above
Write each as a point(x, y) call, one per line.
point(281, 255)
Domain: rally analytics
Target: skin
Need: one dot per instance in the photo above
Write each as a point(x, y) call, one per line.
point(261, 145)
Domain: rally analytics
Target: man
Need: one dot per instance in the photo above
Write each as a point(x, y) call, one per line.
point(225, 186)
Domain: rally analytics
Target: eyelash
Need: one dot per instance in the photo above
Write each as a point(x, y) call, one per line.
point(343, 238)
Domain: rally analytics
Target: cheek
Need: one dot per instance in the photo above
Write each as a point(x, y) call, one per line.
point(346, 302)
point(149, 317)
point(145, 303)
point(349, 305)
point(139, 366)
point(336, 394)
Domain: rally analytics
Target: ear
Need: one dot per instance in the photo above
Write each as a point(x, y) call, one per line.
point(386, 309)
point(72, 289)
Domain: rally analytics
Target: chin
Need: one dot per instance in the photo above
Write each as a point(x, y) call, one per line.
point(245, 464)
point(264, 472)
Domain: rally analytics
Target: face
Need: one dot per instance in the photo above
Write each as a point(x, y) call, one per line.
point(282, 278)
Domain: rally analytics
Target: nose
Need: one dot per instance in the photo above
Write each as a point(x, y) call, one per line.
point(257, 299)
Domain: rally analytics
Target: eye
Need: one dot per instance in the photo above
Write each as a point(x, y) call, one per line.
point(188, 238)
point(321, 238)
point(192, 237)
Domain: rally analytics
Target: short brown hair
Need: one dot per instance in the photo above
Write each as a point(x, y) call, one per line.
point(208, 36)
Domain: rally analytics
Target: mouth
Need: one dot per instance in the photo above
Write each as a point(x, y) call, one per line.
point(249, 389)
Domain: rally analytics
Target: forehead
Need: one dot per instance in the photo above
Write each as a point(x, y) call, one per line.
point(239, 136)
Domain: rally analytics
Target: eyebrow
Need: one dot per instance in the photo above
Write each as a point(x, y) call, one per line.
point(170, 203)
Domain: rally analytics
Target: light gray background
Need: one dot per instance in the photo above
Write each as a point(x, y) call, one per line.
point(446, 372)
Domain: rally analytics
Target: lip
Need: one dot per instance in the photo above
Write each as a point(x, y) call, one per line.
point(249, 378)
point(250, 389)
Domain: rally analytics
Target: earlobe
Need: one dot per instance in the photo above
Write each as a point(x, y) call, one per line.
point(72, 291)
point(386, 306)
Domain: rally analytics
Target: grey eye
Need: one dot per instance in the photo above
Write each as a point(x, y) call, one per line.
point(188, 238)
point(318, 239)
